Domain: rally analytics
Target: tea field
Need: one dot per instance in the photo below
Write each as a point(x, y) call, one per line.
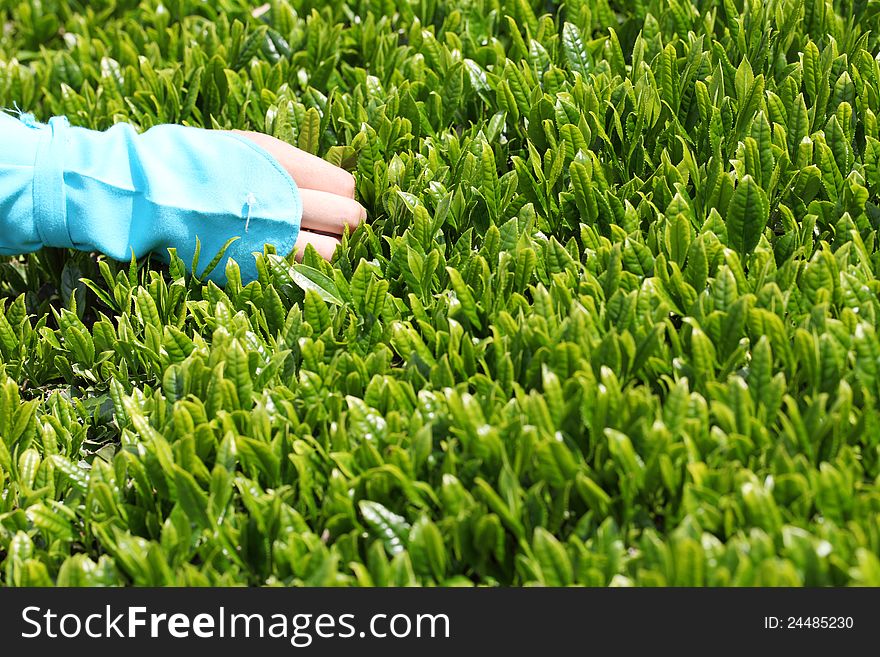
point(613, 320)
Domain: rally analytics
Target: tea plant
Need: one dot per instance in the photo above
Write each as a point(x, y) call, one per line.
point(613, 320)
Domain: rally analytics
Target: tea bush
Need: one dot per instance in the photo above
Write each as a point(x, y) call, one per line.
point(613, 320)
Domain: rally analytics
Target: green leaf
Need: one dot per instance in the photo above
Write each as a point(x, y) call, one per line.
point(464, 296)
point(386, 525)
point(679, 234)
point(191, 497)
point(238, 371)
point(310, 132)
point(426, 549)
point(212, 265)
point(575, 52)
point(309, 278)
point(556, 569)
point(747, 216)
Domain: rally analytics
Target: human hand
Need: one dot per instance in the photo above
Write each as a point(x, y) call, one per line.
point(327, 194)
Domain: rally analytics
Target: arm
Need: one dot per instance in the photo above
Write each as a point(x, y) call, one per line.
point(118, 190)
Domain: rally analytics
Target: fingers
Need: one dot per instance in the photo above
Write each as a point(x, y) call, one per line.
point(308, 171)
point(329, 213)
point(327, 194)
point(324, 244)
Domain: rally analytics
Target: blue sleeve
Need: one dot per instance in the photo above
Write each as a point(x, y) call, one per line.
point(118, 190)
